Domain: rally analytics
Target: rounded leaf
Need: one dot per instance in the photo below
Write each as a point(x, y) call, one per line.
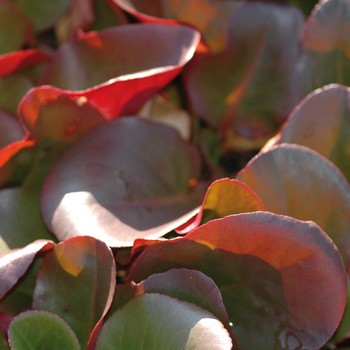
point(296, 181)
point(278, 276)
point(155, 321)
point(126, 179)
point(41, 330)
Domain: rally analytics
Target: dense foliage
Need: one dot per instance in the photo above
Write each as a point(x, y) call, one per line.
point(174, 174)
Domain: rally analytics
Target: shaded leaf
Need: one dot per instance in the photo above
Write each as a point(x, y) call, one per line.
point(43, 13)
point(163, 322)
point(77, 282)
point(296, 181)
point(253, 86)
point(14, 264)
point(115, 185)
point(41, 330)
point(278, 276)
point(326, 46)
point(15, 61)
point(224, 197)
point(322, 122)
point(10, 129)
point(212, 22)
point(15, 28)
point(20, 217)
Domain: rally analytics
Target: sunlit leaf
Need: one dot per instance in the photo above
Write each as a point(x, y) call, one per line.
point(20, 217)
point(14, 264)
point(224, 197)
point(77, 282)
point(325, 57)
point(253, 86)
point(41, 330)
point(321, 122)
point(154, 321)
point(278, 276)
point(43, 13)
point(116, 185)
point(296, 181)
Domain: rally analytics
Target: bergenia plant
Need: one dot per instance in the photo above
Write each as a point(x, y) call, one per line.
point(174, 174)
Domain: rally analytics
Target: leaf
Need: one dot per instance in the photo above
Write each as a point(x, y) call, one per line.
point(77, 282)
point(10, 130)
point(113, 184)
point(278, 276)
point(43, 13)
point(252, 87)
point(321, 122)
point(224, 197)
point(96, 57)
point(14, 264)
point(296, 181)
point(20, 217)
point(326, 46)
point(15, 28)
point(41, 330)
point(49, 113)
point(15, 61)
point(163, 322)
point(212, 23)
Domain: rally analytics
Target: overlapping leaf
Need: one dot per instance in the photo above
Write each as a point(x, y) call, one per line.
point(326, 46)
point(77, 282)
point(321, 122)
point(163, 322)
point(116, 185)
point(41, 330)
point(294, 180)
point(278, 276)
point(10, 130)
point(250, 87)
point(224, 197)
point(20, 217)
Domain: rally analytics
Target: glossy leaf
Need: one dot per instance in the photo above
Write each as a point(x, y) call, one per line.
point(96, 57)
point(326, 46)
point(155, 321)
point(10, 129)
point(321, 122)
point(77, 282)
point(20, 217)
point(49, 113)
point(43, 13)
point(15, 61)
point(294, 180)
point(14, 264)
point(253, 86)
point(41, 330)
point(224, 197)
point(212, 22)
point(115, 185)
point(278, 276)
point(15, 28)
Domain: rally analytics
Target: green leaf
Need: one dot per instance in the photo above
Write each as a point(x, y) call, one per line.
point(155, 321)
point(41, 330)
point(77, 282)
point(297, 181)
point(278, 276)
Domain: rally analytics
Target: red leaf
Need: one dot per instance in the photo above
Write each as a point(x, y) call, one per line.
point(278, 276)
point(14, 61)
